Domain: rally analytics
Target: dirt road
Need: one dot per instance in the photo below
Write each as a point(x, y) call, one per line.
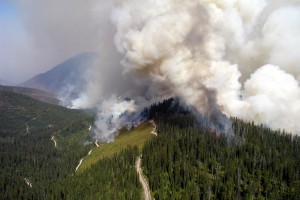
point(143, 180)
point(154, 131)
point(80, 162)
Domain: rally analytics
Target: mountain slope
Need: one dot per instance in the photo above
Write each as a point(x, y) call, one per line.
point(33, 93)
point(40, 146)
point(135, 137)
point(65, 78)
point(30, 160)
point(185, 162)
point(17, 109)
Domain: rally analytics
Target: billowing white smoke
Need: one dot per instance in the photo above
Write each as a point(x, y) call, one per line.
point(113, 114)
point(272, 97)
point(235, 57)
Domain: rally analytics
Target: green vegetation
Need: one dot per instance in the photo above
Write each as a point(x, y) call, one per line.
point(30, 164)
point(183, 162)
point(17, 110)
point(33, 93)
point(135, 137)
point(111, 178)
point(31, 167)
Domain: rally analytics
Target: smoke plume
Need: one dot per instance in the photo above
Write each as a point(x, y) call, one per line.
point(223, 58)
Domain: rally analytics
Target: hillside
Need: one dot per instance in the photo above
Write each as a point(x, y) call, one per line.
point(40, 143)
point(33, 93)
point(135, 137)
point(18, 109)
point(65, 79)
point(106, 169)
point(185, 162)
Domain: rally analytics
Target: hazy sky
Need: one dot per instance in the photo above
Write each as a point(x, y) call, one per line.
point(36, 35)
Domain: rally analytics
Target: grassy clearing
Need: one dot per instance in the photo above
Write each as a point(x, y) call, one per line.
point(135, 137)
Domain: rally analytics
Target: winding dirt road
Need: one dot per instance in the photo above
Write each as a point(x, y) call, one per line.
point(143, 180)
point(154, 131)
point(89, 153)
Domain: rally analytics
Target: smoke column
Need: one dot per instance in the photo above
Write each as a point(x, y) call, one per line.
point(221, 57)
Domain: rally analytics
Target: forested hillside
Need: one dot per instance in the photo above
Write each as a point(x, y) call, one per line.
point(184, 162)
point(33, 93)
point(40, 147)
point(126, 138)
point(111, 178)
point(39, 144)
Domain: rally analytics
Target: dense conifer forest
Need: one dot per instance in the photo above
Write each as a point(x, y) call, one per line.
point(110, 178)
point(185, 162)
point(30, 161)
point(182, 162)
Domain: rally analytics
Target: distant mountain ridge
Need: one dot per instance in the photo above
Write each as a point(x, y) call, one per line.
point(65, 79)
point(32, 93)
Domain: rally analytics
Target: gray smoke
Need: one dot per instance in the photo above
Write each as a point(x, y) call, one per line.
point(244, 52)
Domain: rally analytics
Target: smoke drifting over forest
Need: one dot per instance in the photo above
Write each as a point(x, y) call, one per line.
point(235, 57)
point(239, 58)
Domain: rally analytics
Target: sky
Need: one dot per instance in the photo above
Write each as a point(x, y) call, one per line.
point(37, 35)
